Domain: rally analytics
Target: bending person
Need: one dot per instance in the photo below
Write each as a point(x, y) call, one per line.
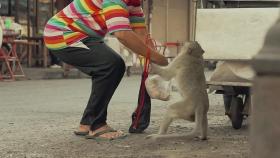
point(75, 35)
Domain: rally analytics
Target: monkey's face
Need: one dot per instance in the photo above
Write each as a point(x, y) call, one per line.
point(194, 49)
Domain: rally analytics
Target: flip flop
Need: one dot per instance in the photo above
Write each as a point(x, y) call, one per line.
point(80, 133)
point(122, 136)
point(97, 135)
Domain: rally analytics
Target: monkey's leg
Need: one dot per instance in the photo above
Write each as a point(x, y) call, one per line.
point(204, 127)
point(165, 124)
point(174, 111)
point(201, 126)
point(201, 123)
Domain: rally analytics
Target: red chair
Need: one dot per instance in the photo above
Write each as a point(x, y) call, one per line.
point(11, 64)
point(7, 72)
point(14, 59)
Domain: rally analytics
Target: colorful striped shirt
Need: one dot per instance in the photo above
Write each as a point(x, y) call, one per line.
point(91, 19)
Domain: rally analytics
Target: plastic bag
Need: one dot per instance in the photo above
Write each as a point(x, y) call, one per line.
point(158, 88)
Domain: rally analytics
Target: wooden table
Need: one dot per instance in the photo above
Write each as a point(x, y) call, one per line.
point(39, 40)
point(8, 37)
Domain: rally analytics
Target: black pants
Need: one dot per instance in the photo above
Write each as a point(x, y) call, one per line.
point(105, 67)
point(54, 60)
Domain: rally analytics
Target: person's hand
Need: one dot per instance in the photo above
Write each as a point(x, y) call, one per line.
point(137, 45)
point(159, 59)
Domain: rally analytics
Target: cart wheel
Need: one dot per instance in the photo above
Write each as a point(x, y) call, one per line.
point(236, 116)
point(128, 72)
point(227, 101)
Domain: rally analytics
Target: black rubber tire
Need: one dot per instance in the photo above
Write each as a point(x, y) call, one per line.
point(227, 102)
point(128, 72)
point(236, 116)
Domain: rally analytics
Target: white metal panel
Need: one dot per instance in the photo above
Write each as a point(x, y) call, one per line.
point(236, 33)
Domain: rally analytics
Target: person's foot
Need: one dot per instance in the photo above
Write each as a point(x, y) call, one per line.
point(106, 133)
point(83, 130)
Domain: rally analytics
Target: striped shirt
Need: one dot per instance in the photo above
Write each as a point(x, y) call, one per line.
point(91, 19)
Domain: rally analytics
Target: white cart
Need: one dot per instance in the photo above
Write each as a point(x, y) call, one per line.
point(233, 36)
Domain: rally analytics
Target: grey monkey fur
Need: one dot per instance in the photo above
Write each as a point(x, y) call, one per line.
point(188, 70)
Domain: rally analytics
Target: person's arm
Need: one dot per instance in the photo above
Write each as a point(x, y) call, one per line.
point(136, 43)
point(137, 23)
point(121, 20)
point(143, 33)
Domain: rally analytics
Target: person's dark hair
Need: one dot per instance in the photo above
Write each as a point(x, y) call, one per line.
point(60, 4)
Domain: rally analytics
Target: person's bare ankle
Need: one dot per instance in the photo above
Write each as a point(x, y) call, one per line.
point(99, 129)
point(85, 128)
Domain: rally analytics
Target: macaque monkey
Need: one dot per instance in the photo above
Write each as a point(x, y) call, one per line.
point(188, 70)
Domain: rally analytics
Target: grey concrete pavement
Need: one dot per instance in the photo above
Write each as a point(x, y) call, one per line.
point(38, 117)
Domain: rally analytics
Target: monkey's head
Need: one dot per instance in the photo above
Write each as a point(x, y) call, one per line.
point(194, 49)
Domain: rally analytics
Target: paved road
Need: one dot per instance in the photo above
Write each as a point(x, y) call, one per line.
point(37, 119)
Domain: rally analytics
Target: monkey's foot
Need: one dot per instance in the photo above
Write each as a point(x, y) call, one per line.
point(203, 137)
point(153, 136)
point(156, 137)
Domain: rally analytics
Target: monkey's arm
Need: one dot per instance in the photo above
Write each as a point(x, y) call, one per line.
point(163, 71)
